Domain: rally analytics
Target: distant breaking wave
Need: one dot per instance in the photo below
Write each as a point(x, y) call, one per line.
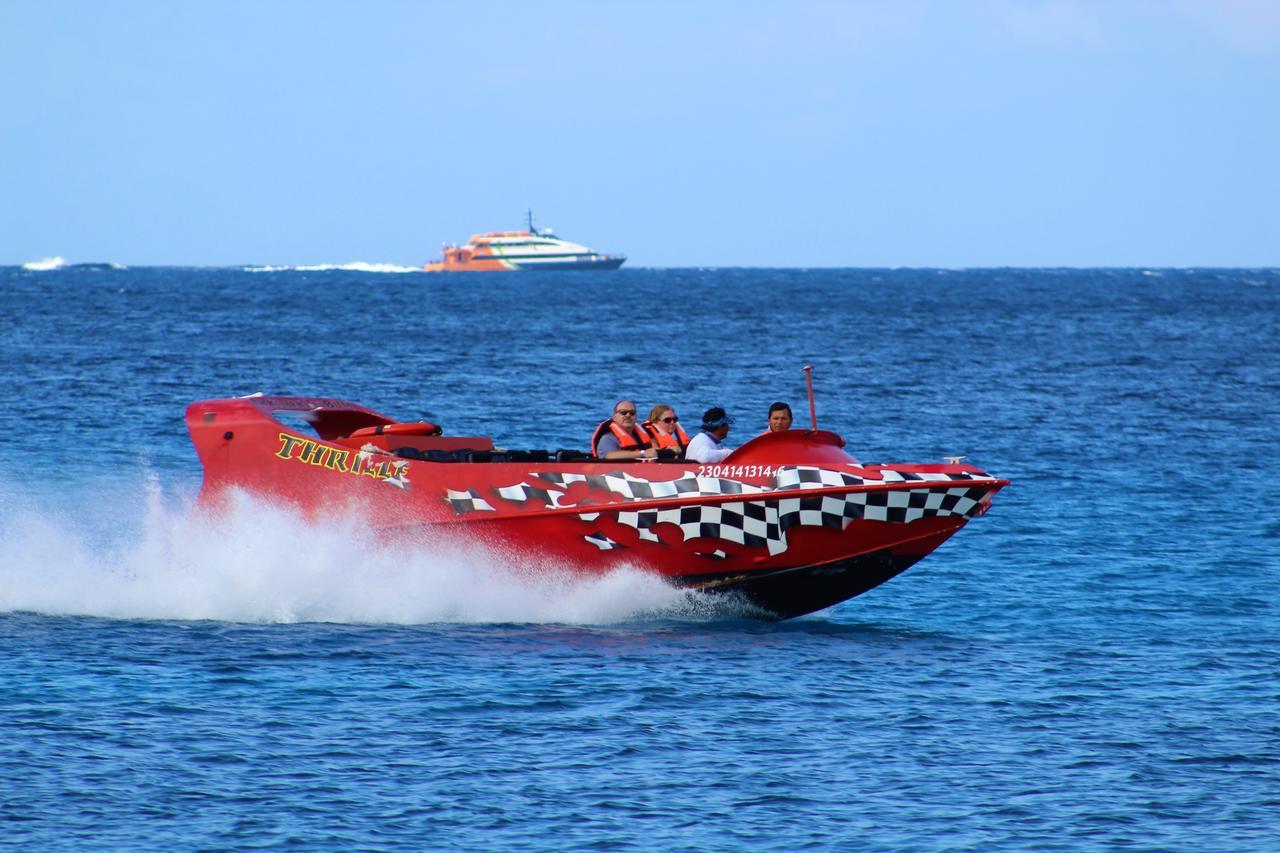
point(45, 264)
point(355, 266)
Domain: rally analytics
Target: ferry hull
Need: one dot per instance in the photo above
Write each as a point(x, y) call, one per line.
point(499, 264)
point(600, 263)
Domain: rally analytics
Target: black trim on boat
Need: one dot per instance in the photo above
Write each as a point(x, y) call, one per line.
point(795, 591)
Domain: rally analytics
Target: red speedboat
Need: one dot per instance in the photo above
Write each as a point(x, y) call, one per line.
point(789, 521)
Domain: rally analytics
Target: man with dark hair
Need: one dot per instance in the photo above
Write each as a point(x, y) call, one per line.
point(707, 447)
point(779, 417)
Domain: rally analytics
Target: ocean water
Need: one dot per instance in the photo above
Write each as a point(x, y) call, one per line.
point(1091, 665)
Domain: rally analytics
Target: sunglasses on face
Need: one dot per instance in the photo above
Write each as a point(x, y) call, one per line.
point(625, 412)
point(671, 420)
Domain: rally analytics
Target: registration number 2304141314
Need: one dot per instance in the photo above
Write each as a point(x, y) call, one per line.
point(736, 470)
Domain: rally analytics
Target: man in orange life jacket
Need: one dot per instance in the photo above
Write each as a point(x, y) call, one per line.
point(620, 438)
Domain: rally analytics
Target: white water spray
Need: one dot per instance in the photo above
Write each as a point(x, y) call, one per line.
point(144, 554)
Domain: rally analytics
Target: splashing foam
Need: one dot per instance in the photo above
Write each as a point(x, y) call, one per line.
point(154, 559)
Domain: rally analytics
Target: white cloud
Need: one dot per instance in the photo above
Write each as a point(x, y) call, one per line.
point(1248, 25)
point(1052, 22)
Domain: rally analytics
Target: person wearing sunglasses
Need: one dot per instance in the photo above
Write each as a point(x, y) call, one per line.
point(665, 432)
point(620, 437)
point(707, 446)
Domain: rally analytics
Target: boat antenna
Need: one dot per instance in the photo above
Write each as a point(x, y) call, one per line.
point(529, 216)
point(808, 378)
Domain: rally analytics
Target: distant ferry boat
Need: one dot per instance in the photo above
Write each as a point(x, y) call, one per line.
point(533, 249)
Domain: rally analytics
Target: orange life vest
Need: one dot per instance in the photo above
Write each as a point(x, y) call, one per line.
point(633, 440)
point(678, 440)
point(422, 428)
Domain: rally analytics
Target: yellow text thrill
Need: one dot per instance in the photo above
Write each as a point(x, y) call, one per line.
point(333, 459)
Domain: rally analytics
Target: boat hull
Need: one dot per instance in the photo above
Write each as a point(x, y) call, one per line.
point(599, 262)
point(795, 591)
point(495, 263)
point(789, 523)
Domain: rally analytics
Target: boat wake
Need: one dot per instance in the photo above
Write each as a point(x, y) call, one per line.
point(142, 554)
point(45, 264)
point(355, 266)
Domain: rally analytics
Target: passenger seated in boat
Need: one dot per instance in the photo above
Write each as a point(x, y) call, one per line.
point(707, 446)
point(665, 432)
point(779, 417)
point(620, 437)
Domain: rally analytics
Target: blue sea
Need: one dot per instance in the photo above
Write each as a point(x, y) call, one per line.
point(1093, 664)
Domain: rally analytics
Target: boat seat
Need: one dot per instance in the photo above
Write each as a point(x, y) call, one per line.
point(484, 456)
point(529, 455)
point(472, 455)
point(432, 455)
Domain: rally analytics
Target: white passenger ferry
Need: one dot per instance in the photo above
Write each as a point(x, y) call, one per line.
point(531, 249)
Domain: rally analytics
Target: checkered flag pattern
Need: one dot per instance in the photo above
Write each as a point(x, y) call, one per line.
point(467, 500)
point(896, 506)
point(751, 523)
point(604, 543)
point(754, 523)
point(806, 477)
point(638, 489)
point(550, 492)
point(764, 524)
point(525, 492)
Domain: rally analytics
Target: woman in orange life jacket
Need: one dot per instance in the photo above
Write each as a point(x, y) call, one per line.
point(620, 437)
point(663, 427)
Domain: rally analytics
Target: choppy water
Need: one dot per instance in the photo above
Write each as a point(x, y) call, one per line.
point(1092, 664)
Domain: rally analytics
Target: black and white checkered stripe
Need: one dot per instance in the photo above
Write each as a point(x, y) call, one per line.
point(467, 500)
point(896, 506)
point(604, 543)
point(638, 489)
point(807, 477)
point(764, 524)
point(525, 492)
point(550, 492)
point(752, 523)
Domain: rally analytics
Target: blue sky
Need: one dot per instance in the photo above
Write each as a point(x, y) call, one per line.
point(682, 134)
